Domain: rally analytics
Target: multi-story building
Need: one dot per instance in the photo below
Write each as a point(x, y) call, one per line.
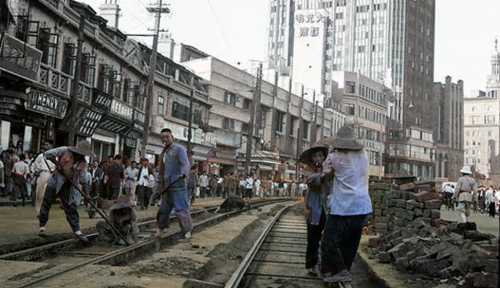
point(231, 95)
point(38, 67)
point(364, 102)
point(38, 64)
point(281, 31)
point(482, 126)
point(448, 98)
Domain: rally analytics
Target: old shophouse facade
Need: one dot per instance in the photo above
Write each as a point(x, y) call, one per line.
point(38, 65)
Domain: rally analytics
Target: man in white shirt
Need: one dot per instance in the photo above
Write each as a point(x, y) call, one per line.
point(204, 182)
point(143, 185)
point(249, 187)
point(131, 174)
point(257, 188)
point(19, 172)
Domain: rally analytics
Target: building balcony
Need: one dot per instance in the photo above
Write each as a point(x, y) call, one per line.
point(52, 79)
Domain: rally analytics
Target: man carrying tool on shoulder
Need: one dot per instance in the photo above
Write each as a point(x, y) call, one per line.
point(174, 167)
point(70, 164)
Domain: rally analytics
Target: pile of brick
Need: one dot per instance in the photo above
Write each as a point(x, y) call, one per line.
point(414, 238)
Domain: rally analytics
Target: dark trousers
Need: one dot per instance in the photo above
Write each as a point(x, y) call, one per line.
point(69, 209)
point(340, 242)
point(203, 192)
point(113, 193)
point(143, 196)
point(492, 211)
point(248, 193)
point(314, 233)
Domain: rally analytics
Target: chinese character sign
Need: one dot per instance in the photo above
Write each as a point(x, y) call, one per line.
point(309, 24)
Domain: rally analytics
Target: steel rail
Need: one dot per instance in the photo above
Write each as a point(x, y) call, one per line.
point(238, 275)
point(148, 245)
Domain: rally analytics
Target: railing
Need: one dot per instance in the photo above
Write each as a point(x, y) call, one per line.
point(71, 14)
point(85, 93)
point(54, 3)
point(54, 79)
point(108, 41)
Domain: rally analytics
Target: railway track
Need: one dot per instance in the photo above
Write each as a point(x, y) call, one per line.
point(277, 259)
point(64, 256)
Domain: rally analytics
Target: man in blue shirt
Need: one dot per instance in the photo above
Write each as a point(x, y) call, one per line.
point(174, 164)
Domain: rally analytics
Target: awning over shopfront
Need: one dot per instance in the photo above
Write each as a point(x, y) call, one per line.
point(265, 168)
point(199, 158)
point(222, 161)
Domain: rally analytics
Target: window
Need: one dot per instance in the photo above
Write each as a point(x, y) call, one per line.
point(305, 129)
point(350, 109)
point(88, 69)
point(139, 95)
point(246, 104)
point(339, 15)
point(280, 121)
point(161, 101)
point(180, 111)
point(103, 82)
point(228, 124)
point(48, 45)
point(350, 87)
point(230, 98)
point(361, 49)
point(69, 62)
point(244, 128)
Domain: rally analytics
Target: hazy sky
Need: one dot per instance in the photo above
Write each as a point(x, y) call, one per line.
point(235, 30)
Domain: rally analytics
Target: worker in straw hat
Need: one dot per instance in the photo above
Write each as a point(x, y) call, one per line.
point(349, 204)
point(319, 188)
point(123, 217)
point(464, 192)
point(69, 162)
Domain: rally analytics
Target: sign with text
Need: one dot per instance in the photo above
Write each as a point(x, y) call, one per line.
point(19, 58)
point(46, 103)
point(121, 109)
point(87, 121)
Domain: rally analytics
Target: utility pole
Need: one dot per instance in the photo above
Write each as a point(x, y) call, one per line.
point(276, 73)
point(251, 125)
point(190, 116)
point(76, 83)
point(314, 131)
point(158, 10)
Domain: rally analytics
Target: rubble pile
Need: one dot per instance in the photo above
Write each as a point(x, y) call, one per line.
point(414, 239)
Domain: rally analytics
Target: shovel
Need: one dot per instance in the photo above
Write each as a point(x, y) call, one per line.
point(156, 196)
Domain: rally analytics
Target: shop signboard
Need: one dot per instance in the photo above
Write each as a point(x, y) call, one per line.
point(45, 103)
point(87, 120)
point(19, 58)
point(101, 100)
point(121, 109)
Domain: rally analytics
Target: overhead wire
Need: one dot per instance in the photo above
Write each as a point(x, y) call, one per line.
point(220, 27)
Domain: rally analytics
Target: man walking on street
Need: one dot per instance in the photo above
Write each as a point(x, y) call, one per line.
point(70, 163)
point(130, 176)
point(465, 192)
point(174, 167)
point(115, 175)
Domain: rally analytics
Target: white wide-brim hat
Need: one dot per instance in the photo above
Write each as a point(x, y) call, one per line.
point(466, 170)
